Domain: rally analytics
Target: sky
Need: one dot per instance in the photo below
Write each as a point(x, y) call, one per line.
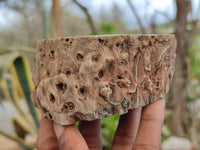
point(96, 6)
point(144, 10)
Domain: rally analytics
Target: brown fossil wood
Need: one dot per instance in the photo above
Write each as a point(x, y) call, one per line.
point(92, 77)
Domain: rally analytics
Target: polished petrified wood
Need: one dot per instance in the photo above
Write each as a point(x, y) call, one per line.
point(92, 77)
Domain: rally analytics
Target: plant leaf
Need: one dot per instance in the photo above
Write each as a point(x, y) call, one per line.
point(19, 67)
point(22, 73)
point(13, 96)
point(18, 140)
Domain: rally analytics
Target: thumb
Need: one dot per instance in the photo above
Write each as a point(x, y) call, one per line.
point(69, 137)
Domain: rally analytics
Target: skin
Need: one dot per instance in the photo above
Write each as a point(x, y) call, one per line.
point(139, 129)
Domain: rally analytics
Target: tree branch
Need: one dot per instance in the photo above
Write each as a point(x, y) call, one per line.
point(164, 14)
point(153, 24)
point(56, 9)
point(182, 77)
point(89, 18)
point(142, 29)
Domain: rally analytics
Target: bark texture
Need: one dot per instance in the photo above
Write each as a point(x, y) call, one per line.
point(178, 121)
point(56, 9)
point(93, 77)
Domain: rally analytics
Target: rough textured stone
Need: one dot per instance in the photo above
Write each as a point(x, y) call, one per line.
point(91, 77)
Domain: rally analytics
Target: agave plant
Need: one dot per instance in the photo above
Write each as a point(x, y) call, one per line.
point(16, 84)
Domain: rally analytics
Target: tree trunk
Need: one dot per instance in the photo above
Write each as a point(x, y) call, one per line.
point(56, 9)
point(180, 85)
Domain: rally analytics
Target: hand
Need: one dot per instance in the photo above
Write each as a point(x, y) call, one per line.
point(139, 129)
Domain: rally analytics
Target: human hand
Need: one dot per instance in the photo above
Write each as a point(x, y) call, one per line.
point(139, 129)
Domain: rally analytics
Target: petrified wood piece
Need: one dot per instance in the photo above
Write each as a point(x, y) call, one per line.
point(92, 77)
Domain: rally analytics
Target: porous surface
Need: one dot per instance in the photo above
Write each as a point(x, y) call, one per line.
point(93, 77)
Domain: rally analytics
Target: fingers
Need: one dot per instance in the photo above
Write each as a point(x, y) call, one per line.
point(149, 134)
point(69, 137)
point(91, 131)
point(127, 130)
point(46, 136)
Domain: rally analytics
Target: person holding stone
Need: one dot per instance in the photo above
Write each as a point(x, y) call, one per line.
point(139, 129)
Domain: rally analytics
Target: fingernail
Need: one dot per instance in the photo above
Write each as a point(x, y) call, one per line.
point(58, 130)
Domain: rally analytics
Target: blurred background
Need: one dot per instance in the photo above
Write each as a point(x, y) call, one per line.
point(23, 22)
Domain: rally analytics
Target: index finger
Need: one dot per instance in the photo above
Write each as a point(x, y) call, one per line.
point(149, 134)
point(46, 139)
point(69, 137)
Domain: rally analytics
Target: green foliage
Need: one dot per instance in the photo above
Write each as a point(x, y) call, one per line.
point(107, 28)
point(165, 132)
point(194, 54)
point(109, 126)
point(23, 77)
point(165, 26)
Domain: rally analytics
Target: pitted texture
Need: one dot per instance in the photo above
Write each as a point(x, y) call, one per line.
point(92, 77)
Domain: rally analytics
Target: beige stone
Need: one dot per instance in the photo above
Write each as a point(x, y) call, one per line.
point(92, 77)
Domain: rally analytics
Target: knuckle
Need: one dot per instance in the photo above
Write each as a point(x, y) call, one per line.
point(124, 139)
point(152, 119)
point(90, 135)
point(50, 144)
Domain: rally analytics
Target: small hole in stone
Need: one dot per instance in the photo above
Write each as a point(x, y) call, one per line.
point(65, 87)
point(76, 86)
point(48, 72)
point(170, 76)
point(68, 72)
point(50, 116)
point(61, 86)
point(117, 45)
point(124, 61)
point(42, 64)
point(70, 105)
point(82, 90)
point(96, 78)
point(67, 40)
point(65, 106)
point(100, 41)
point(141, 38)
point(52, 52)
point(45, 110)
point(119, 77)
point(52, 98)
point(79, 56)
point(100, 74)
